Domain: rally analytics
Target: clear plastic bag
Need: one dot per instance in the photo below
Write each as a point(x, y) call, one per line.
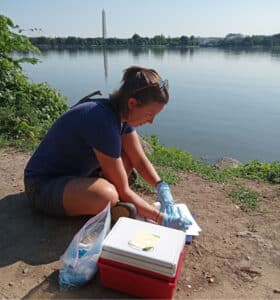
point(80, 258)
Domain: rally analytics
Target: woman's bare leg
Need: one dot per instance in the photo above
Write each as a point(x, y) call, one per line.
point(88, 196)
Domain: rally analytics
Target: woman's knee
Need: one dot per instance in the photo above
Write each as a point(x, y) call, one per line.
point(88, 196)
point(110, 194)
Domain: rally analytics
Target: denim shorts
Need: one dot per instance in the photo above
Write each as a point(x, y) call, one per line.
point(46, 193)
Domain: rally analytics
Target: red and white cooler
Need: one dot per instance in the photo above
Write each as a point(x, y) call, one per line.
point(142, 259)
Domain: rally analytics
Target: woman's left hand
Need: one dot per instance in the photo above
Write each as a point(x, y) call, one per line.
point(165, 197)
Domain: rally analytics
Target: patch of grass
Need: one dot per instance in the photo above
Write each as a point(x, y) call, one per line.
point(245, 198)
point(167, 174)
point(251, 226)
point(264, 171)
point(180, 160)
point(22, 144)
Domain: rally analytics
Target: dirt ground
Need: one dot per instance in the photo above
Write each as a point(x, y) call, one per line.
point(236, 256)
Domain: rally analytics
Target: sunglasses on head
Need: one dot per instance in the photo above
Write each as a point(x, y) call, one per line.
point(161, 84)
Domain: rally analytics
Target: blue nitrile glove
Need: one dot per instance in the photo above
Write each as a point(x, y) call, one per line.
point(170, 210)
point(176, 221)
point(165, 197)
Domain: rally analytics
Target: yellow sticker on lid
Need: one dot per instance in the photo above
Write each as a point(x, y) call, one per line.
point(144, 241)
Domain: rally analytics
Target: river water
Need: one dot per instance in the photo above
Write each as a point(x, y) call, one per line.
point(222, 102)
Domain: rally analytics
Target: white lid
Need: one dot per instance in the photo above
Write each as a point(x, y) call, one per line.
point(167, 243)
point(193, 229)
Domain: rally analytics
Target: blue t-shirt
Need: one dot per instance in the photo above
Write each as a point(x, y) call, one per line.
point(67, 148)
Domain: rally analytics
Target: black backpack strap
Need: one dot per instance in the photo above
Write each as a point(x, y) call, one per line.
point(87, 98)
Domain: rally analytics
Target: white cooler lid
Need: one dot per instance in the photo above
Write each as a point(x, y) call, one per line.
point(123, 244)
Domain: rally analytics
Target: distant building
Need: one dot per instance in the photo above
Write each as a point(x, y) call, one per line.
point(208, 41)
point(104, 30)
point(231, 36)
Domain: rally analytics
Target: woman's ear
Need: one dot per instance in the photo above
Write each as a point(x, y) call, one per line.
point(131, 103)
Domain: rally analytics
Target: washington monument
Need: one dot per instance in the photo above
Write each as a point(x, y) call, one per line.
point(104, 33)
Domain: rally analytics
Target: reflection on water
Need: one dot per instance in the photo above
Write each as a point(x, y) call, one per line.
point(136, 52)
point(222, 101)
point(105, 59)
point(159, 52)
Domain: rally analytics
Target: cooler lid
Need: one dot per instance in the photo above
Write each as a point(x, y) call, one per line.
point(143, 244)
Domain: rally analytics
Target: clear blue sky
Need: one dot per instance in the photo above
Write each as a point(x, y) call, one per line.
point(173, 18)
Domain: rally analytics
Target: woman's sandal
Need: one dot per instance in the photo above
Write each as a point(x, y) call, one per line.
point(123, 209)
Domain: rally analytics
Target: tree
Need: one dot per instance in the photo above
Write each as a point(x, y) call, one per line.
point(26, 109)
point(192, 41)
point(12, 42)
point(159, 40)
point(276, 40)
point(137, 40)
point(184, 40)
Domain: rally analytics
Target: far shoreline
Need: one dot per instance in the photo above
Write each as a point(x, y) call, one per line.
point(231, 40)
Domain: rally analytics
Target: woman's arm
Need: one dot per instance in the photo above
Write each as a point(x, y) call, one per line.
point(133, 149)
point(113, 170)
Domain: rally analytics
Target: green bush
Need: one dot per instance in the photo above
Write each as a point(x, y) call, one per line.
point(26, 109)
